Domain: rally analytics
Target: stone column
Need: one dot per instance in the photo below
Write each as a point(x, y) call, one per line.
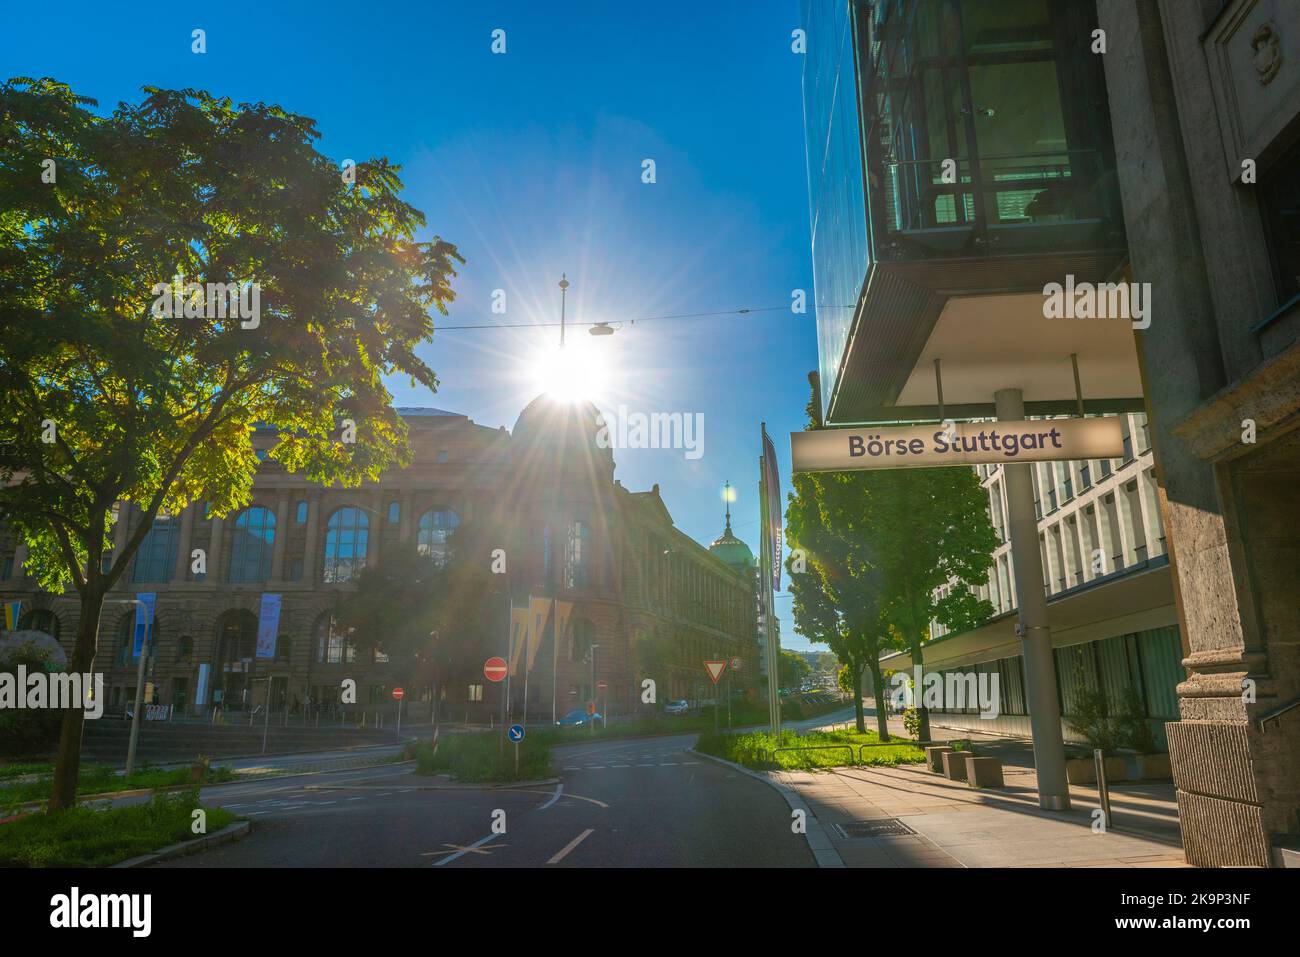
point(378, 522)
point(313, 538)
point(214, 552)
point(182, 571)
point(281, 536)
point(1036, 638)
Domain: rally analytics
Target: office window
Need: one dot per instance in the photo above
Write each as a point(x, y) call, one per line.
point(156, 559)
point(394, 513)
point(1279, 202)
point(295, 570)
point(300, 512)
point(346, 536)
point(577, 558)
point(334, 644)
point(8, 569)
point(433, 540)
point(252, 545)
point(442, 456)
point(474, 693)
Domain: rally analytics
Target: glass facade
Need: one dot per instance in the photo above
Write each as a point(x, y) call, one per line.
point(982, 131)
point(433, 540)
point(346, 537)
point(252, 545)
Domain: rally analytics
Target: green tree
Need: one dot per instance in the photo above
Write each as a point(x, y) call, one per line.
point(103, 397)
point(929, 528)
point(793, 669)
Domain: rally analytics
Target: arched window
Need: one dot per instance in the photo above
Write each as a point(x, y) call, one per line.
point(334, 645)
point(434, 535)
point(252, 545)
point(156, 559)
point(40, 619)
point(300, 512)
point(577, 556)
point(345, 545)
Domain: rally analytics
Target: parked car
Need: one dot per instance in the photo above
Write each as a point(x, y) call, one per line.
point(677, 707)
point(576, 718)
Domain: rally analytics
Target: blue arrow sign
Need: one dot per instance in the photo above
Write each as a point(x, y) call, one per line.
point(516, 733)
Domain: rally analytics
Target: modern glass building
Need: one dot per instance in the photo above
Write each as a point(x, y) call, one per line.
point(955, 148)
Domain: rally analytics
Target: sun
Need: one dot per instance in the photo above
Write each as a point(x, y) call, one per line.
point(572, 373)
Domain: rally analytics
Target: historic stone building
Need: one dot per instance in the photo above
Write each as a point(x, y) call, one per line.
point(646, 600)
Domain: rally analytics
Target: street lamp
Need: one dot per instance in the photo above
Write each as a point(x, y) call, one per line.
point(139, 676)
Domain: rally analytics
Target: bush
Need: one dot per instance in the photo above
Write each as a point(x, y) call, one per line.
point(478, 758)
point(85, 837)
point(912, 721)
point(25, 732)
point(755, 749)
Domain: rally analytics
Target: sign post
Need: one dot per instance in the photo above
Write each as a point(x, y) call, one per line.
point(398, 695)
point(494, 670)
point(516, 735)
point(715, 668)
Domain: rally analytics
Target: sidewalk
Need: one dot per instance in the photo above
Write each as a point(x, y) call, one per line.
point(910, 817)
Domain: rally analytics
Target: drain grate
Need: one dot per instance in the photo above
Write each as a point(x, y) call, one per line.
point(884, 827)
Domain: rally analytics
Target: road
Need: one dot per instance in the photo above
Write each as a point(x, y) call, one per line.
point(632, 803)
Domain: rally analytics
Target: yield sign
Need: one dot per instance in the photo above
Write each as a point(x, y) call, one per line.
point(716, 668)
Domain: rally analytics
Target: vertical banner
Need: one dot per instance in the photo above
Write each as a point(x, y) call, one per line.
point(143, 620)
point(518, 636)
point(12, 609)
point(268, 625)
point(563, 611)
point(201, 692)
point(539, 609)
point(775, 513)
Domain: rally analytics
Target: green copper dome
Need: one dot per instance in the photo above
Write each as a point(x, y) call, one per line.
point(729, 548)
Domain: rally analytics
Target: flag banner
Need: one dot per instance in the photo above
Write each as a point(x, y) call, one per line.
point(775, 513)
point(12, 608)
point(518, 636)
point(143, 620)
point(563, 611)
point(539, 611)
point(268, 626)
point(201, 692)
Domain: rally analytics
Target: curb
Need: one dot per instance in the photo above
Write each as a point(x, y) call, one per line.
point(485, 786)
point(823, 851)
point(236, 831)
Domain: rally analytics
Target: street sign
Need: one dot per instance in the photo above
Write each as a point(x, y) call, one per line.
point(494, 669)
point(960, 443)
point(516, 733)
point(591, 707)
point(600, 686)
point(397, 694)
point(715, 669)
point(735, 664)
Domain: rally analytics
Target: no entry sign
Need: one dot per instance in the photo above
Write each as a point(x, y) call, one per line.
point(494, 669)
point(398, 694)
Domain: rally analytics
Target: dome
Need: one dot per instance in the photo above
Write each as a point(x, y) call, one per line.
point(566, 432)
point(732, 550)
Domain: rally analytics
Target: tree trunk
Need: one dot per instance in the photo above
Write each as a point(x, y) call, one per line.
point(923, 734)
point(880, 695)
point(67, 762)
point(857, 697)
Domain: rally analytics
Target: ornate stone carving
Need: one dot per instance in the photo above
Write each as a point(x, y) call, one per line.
point(1267, 49)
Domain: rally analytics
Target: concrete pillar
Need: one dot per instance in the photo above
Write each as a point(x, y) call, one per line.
point(378, 522)
point(408, 520)
point(1036, 638)
point(182, 570)
point(214, 552)
point(281, 536)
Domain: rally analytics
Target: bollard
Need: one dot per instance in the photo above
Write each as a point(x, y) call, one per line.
point(1103, 791)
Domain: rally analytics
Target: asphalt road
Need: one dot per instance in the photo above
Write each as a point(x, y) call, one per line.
point(633, 803)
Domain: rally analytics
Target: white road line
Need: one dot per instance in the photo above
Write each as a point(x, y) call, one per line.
point(355, 799)
point(554, 797)
point(618, 765)
point(645, 765)
point(667, 764)
point(571, 767)
point(479, 843)
point(595, 767)
point(570, 846)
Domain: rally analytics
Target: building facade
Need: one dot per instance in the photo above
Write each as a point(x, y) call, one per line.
point(647, 601)
point(1205, 102)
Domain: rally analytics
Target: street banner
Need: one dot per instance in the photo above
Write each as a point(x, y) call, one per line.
point(539, 609)
point(957, 443)
point(268, 626)
point(201, 692)
point(143, 620)
point(518, 636)
point(12, 609)
point(563, 611)
point(775, 513)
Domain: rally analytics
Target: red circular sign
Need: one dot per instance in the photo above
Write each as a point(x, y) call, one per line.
point(398, 693)
point(494, 669)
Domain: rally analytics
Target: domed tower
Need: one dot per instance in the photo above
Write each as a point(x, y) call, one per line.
point(728, 547)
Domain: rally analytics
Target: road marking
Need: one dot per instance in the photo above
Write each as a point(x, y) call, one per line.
point(461, 851)
point(362, 798)
point(559, 788)
point(667, 764)
point(595, 767)
point(571, 767)
point(570, 846)
point(645, 765)
point(618, 765)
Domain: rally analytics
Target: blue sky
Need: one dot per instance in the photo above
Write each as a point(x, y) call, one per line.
point(531, 162)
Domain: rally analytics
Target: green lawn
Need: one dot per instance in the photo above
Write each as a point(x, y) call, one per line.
point(757, 749)
point(86, 837)
point(479, 759)
point(101, 779)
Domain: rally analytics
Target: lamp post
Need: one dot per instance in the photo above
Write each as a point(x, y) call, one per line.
point(593, 686)
point(139, 677)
